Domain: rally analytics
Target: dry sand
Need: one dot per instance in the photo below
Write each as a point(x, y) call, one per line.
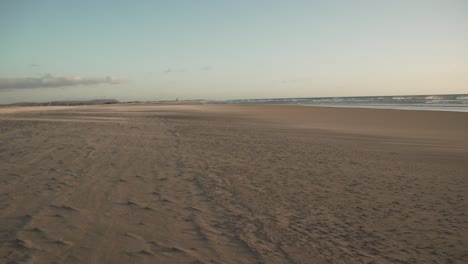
point(233, 184)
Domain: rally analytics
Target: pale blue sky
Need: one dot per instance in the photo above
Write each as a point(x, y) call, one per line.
point(233, 49)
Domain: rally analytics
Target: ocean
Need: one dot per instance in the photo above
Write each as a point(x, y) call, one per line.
point(446, 102)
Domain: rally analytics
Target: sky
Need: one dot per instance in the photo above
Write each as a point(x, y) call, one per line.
point(215, 49)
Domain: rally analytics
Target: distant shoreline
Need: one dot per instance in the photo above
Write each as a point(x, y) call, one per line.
point(428, 102)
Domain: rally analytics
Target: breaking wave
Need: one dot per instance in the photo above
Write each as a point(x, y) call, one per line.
point(450, 102)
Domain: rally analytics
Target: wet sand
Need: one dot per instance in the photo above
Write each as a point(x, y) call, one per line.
point(232, 184)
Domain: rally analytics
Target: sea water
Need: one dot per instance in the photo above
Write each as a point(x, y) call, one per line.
point(446, 102)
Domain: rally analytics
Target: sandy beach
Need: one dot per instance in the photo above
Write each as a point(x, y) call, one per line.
point(148, 183)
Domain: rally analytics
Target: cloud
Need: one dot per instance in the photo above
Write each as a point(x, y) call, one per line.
point(49, 81)
point(182, 70)
point(170, 70)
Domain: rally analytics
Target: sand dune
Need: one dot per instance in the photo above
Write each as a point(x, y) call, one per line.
point(232, 184)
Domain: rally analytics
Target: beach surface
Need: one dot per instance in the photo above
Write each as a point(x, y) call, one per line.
point(150, 183)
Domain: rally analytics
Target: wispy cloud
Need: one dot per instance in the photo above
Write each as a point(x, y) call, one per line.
point(49, 81)
point(170, 70)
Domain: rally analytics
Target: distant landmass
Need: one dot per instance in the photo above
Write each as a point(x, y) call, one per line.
point(75, 102)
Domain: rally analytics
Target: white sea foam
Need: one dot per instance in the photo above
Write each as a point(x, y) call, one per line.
point(421, 102)
point(434, 97)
